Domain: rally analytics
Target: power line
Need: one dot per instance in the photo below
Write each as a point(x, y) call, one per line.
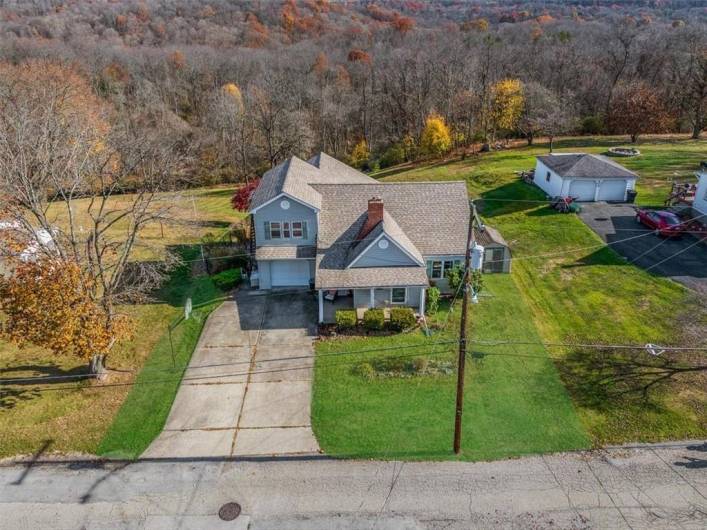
point(481, 342)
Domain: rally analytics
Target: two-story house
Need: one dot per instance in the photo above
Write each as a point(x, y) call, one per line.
point(324, 224)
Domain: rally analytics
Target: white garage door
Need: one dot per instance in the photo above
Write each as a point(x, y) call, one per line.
point(583, 190)
point(286, 273)
point(612, 190)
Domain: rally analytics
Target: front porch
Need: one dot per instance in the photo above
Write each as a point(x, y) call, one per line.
point(363, 299)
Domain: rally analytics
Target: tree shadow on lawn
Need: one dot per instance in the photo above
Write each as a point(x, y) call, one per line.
point(605, 379)
point(514, 197)
point(22, 387)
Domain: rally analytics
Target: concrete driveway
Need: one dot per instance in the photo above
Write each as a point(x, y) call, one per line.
point(247, 390)
point(684, 259)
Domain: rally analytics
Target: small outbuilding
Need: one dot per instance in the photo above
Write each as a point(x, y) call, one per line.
point(497, 254)
point(586, 177)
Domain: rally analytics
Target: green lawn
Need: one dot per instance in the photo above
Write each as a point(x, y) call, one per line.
point(76, 418)
point(661, 159)
point(146, 407)
point(516, 404)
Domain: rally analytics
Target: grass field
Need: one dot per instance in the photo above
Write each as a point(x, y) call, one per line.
point(662, 159)
point(80, 419)
point(515, 402)
point(590, 295)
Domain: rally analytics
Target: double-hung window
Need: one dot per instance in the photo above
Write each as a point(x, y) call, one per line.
point(285, 230)
point(436, 269)
point(398, 295)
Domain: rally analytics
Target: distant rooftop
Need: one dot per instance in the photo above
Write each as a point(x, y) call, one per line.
point(585, 165)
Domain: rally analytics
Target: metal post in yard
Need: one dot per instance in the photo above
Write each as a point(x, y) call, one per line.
point(171, 345)
point(462, 336)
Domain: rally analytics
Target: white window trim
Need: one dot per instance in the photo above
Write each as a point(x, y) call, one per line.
point(443, 269)
point(301, 229)
point(405, 299)
point(287, 196)
point(290, 230)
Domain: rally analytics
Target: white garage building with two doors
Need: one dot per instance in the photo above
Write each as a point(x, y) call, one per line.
point(584, 176)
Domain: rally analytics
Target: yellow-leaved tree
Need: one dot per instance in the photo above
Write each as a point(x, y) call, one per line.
point(436, 139)
point(507, 104)
point(360, 154)
point(231, 90)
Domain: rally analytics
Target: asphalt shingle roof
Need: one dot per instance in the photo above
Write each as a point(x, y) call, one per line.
point(285, 252)
point(489, 237)
point(294, 177)
point(392, 229)
point(584, 165)
point(432, 216)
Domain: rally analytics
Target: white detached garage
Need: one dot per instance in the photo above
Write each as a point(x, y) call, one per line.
point(584, 176)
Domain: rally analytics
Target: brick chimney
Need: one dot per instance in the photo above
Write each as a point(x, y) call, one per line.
point(375, 216)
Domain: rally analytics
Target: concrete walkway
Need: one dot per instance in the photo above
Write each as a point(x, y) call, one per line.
point(247, 390)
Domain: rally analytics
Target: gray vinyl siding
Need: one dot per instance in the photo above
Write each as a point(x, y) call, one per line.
point(296, 212)
point(441, 283)
point(388, 257)
point(362, 297)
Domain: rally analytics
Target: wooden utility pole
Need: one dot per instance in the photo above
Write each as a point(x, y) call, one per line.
point(462, 334)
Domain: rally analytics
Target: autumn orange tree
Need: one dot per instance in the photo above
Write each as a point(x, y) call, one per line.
point(46, 302)
point(637, 109)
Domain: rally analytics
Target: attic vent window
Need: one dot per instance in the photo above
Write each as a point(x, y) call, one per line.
point(285, 204)
point(383, 244)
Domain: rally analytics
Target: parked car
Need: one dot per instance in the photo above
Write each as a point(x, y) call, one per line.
point(664, 223)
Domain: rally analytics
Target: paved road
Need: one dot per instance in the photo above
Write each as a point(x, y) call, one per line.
point(654, 487)
point(680, 259)
point(247, 389)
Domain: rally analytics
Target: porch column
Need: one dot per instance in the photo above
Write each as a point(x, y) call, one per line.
point(372, 302)
point(422, 301)
point(321, 306)
point(597, 186)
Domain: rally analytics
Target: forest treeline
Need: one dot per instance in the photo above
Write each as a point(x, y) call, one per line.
point(247, 84)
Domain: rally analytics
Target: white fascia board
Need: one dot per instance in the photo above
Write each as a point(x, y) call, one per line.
point(288, 196)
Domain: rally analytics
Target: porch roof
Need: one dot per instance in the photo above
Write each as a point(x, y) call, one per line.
point(364, 278)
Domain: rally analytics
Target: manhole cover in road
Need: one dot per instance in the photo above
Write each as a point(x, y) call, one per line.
point(229, 511)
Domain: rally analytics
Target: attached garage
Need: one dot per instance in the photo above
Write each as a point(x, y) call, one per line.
point(289, 273)
point(582, 190)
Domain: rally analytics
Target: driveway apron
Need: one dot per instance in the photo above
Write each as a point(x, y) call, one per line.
point(247, 389)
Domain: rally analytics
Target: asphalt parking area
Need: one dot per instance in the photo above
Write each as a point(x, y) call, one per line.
point(683, 259)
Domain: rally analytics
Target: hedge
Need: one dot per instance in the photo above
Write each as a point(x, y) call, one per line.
point(374, 319)
point(402, 318)
point(346, 318)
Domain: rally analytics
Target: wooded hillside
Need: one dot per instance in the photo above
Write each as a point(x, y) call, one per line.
point(249, 83)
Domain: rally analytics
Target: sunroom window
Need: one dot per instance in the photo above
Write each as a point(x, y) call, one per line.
point(398, 295)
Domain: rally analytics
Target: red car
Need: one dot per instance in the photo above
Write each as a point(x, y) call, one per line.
point(664, 223)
